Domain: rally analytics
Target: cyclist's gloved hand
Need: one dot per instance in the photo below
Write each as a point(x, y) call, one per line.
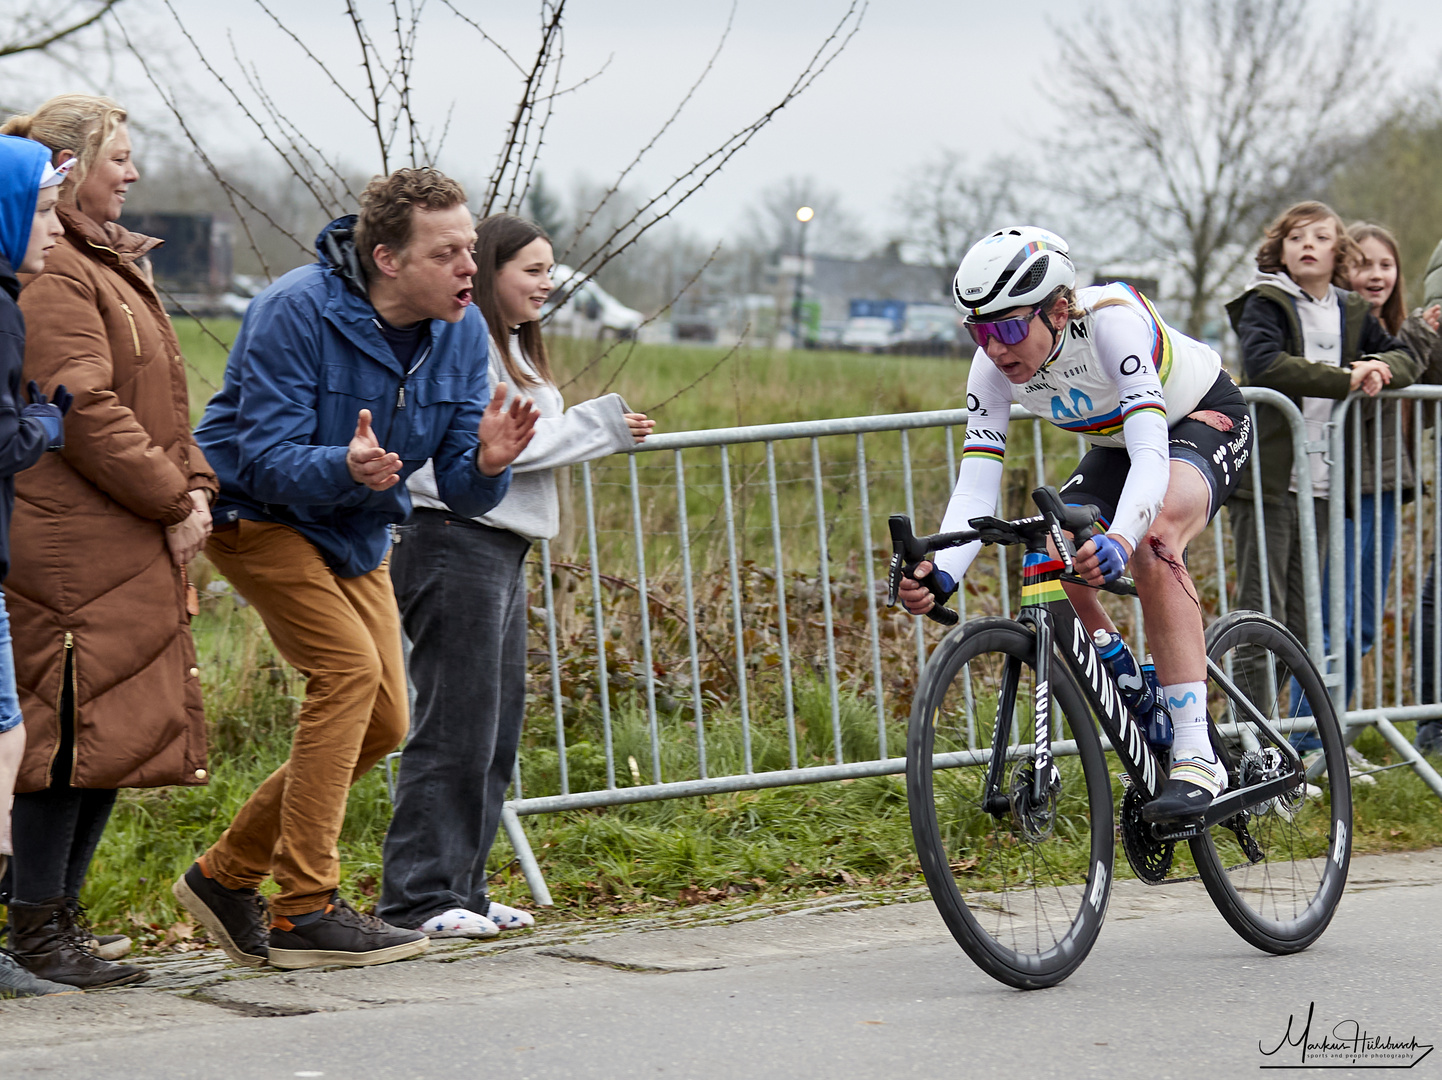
point(930, 586)
point(1111, 557)
point(50, 413)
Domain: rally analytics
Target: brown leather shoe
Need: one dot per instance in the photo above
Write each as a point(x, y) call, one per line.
point(45, 939)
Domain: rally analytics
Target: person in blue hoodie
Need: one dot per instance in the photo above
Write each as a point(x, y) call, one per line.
point(345, 377)
point(29, 190)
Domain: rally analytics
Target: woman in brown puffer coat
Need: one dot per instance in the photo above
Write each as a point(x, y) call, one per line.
point(102, 531)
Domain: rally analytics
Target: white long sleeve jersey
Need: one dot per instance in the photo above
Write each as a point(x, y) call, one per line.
point(1119, 377)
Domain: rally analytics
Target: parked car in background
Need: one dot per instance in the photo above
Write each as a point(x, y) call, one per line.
point(586, 310)
point(900, 326)
point(869, 333)
point(927, 328)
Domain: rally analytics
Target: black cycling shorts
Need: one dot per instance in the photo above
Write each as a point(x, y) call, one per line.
point(1219, 456)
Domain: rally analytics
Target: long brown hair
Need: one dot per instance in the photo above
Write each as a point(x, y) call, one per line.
point(1344, 249)
point(498, 239)
point(1394, 309)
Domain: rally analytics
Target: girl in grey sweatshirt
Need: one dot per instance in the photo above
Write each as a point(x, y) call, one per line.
point(461, 586)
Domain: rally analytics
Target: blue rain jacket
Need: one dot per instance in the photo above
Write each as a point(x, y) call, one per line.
point(308, 358)
point(22, 440)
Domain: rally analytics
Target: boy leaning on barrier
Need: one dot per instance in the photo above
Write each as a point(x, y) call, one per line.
point(1305, 335)
point(346, 376)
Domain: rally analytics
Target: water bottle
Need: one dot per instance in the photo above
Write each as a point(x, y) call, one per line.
point(1137, 685)
point(1159, 727)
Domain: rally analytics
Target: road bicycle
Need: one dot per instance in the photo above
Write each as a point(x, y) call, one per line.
point(1010, 791)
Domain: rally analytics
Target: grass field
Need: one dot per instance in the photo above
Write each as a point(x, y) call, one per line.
point(849, 835)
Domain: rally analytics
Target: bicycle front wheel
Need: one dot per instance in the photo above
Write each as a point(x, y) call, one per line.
point(1022, 884)
point(1276, 871)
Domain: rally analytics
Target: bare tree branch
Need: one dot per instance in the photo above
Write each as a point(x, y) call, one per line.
point(674, 194)
point(478, 29)
point(1197, 125)
point(630, 352)
point(41, 37)
point(596, 361)
point(641, 153)
point(374, 116)
point(654, 409)
point(317, 61)
point(550, 30)
point(231, 191)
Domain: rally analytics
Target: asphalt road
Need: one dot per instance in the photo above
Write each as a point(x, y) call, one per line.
point(850, 991)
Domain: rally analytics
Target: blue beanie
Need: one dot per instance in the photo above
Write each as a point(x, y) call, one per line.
point(22, 164)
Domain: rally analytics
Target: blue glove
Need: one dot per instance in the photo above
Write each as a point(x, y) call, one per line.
point(49, 412)
point(1111, 556)
point(941, 584)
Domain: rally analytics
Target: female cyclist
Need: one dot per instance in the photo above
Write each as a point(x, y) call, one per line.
point(1169, 433)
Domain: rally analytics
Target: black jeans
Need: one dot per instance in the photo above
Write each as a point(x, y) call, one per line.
point(57, 829)
point(462, 593)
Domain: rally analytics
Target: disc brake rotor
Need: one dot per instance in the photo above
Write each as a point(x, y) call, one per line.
point(1034, 820)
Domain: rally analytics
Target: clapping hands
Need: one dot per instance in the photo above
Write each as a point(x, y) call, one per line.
point(367, 460)
point(505, 431)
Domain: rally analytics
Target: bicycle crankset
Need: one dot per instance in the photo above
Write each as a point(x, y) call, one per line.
point(1034, 820)
point(1150, 858)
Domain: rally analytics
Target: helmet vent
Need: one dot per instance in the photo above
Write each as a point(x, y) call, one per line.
point(1034, 276)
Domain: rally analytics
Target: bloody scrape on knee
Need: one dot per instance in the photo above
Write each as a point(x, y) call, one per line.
point(1160, 551)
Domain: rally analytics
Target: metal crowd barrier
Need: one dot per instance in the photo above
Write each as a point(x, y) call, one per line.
point(668, 492)
point(1388, 683)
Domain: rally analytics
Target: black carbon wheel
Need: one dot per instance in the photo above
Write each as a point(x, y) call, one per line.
point(1275, 872)
point(1022, 883)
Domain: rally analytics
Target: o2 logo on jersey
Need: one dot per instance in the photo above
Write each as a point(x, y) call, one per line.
point(1059, 410)
point(1131, 365)
point(974, 406)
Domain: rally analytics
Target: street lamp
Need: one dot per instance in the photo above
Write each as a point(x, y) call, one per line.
point(803, 215)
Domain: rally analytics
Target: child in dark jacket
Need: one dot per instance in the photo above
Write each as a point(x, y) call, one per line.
point(1302, 334)
point(29, 189)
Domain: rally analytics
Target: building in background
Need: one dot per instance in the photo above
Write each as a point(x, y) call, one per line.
point(194, 267)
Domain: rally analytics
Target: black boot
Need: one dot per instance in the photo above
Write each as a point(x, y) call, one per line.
point(46, 940)
point(105, 946)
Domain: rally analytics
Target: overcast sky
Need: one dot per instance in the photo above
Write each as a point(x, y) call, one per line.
point(920, 76)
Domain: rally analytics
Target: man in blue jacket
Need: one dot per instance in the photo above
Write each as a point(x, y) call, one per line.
point(345, 377)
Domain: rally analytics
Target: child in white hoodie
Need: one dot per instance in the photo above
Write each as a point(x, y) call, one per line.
point(1303, 334)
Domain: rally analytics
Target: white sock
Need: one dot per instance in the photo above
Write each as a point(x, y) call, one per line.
point(1192, 752)
point(1187, 702)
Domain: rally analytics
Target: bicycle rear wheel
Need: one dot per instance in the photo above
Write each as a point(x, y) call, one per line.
point(1275, 872)
point(1023, 889)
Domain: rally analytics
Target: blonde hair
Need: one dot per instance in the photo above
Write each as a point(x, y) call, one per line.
point(84, 124)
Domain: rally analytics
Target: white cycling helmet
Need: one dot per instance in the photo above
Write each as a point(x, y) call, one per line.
point(1009, 269)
